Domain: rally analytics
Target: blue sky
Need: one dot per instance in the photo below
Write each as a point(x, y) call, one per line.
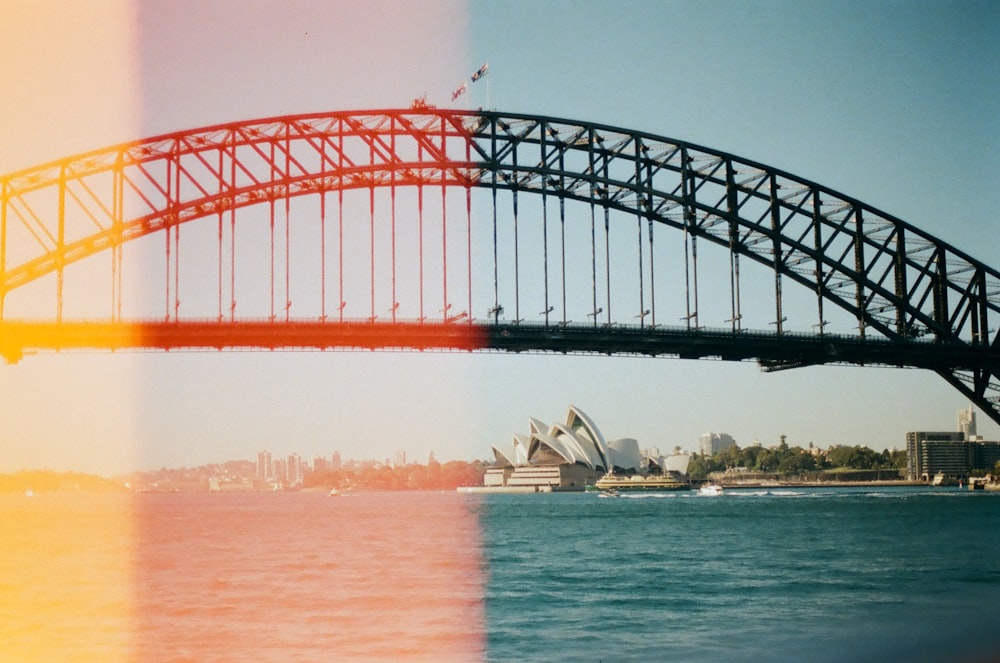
point(894, 103)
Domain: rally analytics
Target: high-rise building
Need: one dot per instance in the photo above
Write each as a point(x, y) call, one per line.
point(967, 423)
point(335, 461)
point(712, 443)
point(293, 470)
point(986, 455)
point(953, 455)
point(928, 453)
point(280, 472)
point(265, 470)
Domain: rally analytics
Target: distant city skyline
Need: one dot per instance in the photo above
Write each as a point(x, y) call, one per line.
point(896, 106)
point(290, 469)
point(710, 443)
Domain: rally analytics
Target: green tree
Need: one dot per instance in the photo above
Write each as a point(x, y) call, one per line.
point(767, 461)
point(856, 457)
point(796, 461)
point(749, 457)
point(729, 457)
point(841, 456)
point(897, 459)
point(701, 466)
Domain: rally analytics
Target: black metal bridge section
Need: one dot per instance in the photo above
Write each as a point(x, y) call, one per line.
point(396, 228)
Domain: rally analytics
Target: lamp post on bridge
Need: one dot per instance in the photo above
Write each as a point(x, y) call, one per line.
point(495, 313)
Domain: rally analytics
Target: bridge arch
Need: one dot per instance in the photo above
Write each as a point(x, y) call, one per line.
point(933, 305)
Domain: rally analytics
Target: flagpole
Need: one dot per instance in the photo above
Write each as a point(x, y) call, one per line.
point(482, 72)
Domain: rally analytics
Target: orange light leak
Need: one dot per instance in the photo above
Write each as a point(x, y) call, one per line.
point(65, 556)
point(89, 576)
point(65, 576)
point(273, 576)
point(18, 338)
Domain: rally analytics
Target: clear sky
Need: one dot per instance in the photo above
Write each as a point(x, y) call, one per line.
point(894, 103)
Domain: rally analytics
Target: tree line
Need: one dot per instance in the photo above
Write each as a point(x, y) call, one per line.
point(795, 460)
point(48, 481)
point(433, 476)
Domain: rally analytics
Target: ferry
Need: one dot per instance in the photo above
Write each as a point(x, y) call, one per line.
point(941, 479)
point(610, 483)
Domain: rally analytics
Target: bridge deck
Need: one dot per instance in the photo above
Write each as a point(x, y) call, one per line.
point(772, 350)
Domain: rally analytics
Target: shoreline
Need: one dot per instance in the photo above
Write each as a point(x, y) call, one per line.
point(747, 485)
point(901, 483)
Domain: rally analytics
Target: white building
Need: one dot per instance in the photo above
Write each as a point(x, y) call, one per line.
point(265, 469)
point(293, 468)
point(967, 423)
point(710, 444)
point(568, 455)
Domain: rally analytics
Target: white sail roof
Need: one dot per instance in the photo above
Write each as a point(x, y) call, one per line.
point(501, 459)
point(542, 445)
point(624, 454)
point(577, 441)
point(514, 455)
point(536, 426)
point(521, 449)
point(584, 449)
point(676, 463)
point(578, 421)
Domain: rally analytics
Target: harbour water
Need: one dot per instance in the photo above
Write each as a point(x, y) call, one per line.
point(840, 574)
point(781, 575)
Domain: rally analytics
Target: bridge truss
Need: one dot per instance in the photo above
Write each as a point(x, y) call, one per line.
point(478, 230)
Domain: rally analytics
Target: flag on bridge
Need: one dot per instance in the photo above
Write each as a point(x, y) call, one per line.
point(459, 92)
point(482, 71)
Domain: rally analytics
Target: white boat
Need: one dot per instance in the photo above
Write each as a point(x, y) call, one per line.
point(711, 489)
point(941, 479)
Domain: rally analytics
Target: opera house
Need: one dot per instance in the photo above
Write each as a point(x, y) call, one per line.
point(569, 456)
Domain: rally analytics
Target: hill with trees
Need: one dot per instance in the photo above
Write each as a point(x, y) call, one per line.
point(785, 461)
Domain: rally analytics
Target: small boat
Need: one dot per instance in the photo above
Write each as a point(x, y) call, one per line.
point(710, 489)
point(333, 493)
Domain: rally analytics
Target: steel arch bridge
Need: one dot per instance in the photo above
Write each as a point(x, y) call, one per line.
point(257, 234)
